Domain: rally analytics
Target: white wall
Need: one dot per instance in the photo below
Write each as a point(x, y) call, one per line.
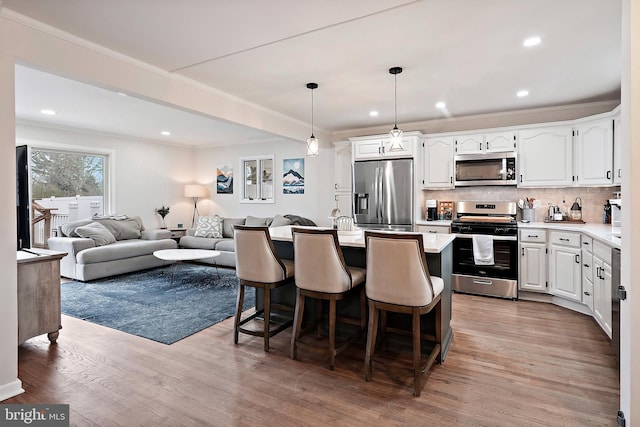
point(316, 202)
point(146, 175)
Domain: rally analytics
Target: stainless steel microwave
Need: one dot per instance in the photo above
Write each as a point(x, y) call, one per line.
point(486, 169)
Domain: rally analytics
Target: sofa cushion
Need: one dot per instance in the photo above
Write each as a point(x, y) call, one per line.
point(123, 249)
point(192, 242)
point(227, 226)
point(122, 229)
point(69, 229)
point(96, 232)
point(209, 226)
point(279, 221)
point(257, 222)
point(226, 245)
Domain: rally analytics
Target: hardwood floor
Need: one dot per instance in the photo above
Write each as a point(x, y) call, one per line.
point(510, 364)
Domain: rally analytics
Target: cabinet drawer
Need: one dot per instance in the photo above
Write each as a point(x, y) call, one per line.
point(565, 239)
point(602, 251)
point(587, 265)
point(443, 229)
point(587, 243)
point(533, 235)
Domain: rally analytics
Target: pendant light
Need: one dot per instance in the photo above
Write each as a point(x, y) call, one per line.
point(312, 141)
point(395, 133)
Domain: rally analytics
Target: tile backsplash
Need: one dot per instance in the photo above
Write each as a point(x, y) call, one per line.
point(593, 198)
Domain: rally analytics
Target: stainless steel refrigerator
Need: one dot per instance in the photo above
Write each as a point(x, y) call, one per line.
point(383, 194)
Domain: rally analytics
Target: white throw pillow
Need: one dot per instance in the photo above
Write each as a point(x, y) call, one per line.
point(209, 226)
point(96, 232)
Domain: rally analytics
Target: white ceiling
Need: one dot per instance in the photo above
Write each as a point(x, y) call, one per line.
point(467, 53)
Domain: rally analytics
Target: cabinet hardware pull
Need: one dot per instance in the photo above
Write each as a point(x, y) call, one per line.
point(532, 235)
point(587, 293)
point(451, 179)
point(563, 239)
point(487, 146)
point(522, 251)
point(608, 174)
point(619, 173)
point(520, 177)
point(432, 231)
point(585, 243)
point(586, 265)
point(335, 186)
point(577, 259)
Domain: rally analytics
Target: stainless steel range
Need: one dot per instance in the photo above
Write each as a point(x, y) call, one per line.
point(485, 228)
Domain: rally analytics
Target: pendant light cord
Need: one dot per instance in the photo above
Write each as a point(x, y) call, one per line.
point(312, 113)
point(395, 101)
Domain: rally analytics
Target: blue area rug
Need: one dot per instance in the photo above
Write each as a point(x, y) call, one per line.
point(149, 305)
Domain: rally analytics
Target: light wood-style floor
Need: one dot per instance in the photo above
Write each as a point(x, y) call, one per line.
point(510, 364)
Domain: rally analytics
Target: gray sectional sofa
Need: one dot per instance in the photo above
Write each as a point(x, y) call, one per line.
point(226, 245)
point(125, 248)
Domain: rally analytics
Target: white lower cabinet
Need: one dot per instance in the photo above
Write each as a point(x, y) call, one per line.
point(565, 267)
point(602, 286)
point(533, 260)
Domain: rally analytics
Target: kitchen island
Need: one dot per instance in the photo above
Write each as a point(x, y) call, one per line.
point(438, 250)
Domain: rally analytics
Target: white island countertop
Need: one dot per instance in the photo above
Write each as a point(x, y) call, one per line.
point(601, 232)
point(433, 242)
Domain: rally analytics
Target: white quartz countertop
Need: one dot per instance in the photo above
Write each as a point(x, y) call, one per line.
point(601, 232)
point(433, 243)
point(439, 223)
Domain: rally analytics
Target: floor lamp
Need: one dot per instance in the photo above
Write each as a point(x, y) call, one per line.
point(195, 191)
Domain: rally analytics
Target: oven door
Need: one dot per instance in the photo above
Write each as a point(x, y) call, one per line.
point(500, 279)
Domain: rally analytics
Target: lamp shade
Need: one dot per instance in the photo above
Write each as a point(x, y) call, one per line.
point(195, 190)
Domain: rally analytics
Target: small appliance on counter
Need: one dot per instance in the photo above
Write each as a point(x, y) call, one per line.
point(432, 210)
point(616, 215)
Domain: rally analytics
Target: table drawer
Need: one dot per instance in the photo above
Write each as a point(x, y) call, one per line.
point(565, 239)
point(533, 235)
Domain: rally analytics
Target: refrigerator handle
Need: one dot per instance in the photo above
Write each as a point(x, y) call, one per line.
point(376, 190)
point(381, 198)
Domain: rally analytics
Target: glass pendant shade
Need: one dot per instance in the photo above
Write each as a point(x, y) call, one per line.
point(395, 134)
point(312, 141)
point(312, 146)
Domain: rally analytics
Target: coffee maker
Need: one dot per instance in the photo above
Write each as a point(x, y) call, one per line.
point(432, 210)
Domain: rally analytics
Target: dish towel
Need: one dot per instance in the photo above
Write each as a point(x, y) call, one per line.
point(482, 249)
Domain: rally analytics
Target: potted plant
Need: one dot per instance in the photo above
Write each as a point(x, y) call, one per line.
point(163, 211)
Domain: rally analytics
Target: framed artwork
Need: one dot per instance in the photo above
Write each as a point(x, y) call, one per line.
point(224, 179)
point(293, 176)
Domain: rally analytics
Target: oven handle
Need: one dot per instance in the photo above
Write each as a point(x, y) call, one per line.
point(482, 282)
point(507, 238)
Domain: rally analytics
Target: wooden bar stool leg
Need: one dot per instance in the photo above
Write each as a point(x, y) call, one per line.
point(239, 304)
point(267, 316)
point(318, 317)
point(363, 309)
point(416, 351)
point(371, 339)
point(297, 323)
point(332, 331)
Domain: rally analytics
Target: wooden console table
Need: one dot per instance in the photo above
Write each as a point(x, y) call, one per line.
point(38, 294)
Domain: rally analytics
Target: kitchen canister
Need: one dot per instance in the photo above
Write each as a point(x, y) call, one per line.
point(529, 214)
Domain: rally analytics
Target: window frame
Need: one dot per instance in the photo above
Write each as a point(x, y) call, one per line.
point(261, 188)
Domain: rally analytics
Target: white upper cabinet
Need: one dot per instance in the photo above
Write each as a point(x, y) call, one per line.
point(617, 151)
point(437, 163)
point(342, 164)
point(545, 157)
point(377, 147)
point(495, 142)
point(469, 144)
point(594, 153)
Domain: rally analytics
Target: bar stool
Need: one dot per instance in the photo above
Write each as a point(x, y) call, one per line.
point(322, 274)
point(398, 280)
point(258, 266)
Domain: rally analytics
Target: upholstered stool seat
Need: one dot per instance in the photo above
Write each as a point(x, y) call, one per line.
point(258, 266)
point(322, 274)
point(398, 280)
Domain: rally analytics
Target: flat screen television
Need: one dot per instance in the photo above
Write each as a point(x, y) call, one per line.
point(23, 202)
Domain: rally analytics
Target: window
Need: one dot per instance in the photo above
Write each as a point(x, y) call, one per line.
point(257, 179)
point(73, 183)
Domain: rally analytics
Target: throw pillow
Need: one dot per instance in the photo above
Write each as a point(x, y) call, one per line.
point(256, 222)
point(279, 221)
point(227, 225)
point(96, 232)
point(209, 226)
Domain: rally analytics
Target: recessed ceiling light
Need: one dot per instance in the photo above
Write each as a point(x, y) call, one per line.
point(531, 41)
point(440, 105)
point(522, 93)
point(48, 112)
point(373, 113)
point(165, 133)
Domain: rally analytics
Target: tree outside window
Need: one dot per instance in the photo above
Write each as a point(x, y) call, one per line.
point(66, 174)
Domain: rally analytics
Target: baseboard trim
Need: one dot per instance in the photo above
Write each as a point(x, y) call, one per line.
point(11, 389)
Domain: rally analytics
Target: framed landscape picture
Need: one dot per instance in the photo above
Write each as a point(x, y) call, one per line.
point(293, 176)
point(224, 178)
